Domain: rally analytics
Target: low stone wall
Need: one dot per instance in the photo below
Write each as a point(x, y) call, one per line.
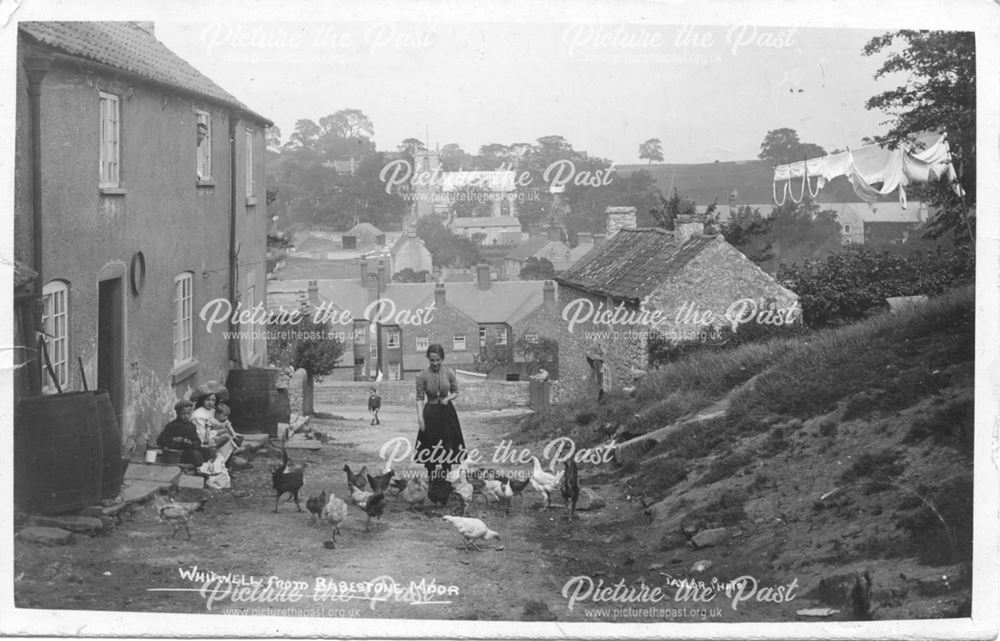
point(487, 395)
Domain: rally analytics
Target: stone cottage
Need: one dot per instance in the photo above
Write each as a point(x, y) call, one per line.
point(681, 284)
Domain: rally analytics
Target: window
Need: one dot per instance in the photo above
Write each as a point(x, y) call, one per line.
point(847, 229)
point(422, 343)
point(204, 161)
point(360, 332)
point(502, 336)
point(395, 371)
point(183, 327)
point(392, 338)
point(55, 324)
point(458, 343)
point(482, 336)
point(251, 184)
point(110, 137)
point(531, 338)
point(373, 352)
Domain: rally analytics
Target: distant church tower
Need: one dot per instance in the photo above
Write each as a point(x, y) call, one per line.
point(427, 192)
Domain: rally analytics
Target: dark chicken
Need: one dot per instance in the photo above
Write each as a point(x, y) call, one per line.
point(286, 480)
point(380, 483)
point(356, 480)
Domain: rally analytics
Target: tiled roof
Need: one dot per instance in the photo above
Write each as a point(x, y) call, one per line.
point(364, 228)
point(503, 302)
point(633, 263)
point(130, 48)
point(528, 248)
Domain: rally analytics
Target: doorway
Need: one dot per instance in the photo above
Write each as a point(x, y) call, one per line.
point(111, 342)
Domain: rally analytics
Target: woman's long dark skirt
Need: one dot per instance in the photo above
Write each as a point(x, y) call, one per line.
point(440, 425)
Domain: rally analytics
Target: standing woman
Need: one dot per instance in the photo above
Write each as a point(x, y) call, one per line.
point(437, 387)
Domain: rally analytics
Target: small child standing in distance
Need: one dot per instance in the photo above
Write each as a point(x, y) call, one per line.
point(374, 405)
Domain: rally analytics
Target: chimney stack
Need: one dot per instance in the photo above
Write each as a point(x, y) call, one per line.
point(584, 238)
point(483, 276)
point(548, 292)
point(688, 226)
point(382, 282)
point(313, 294)
point(554, 233)
point(364, 272)
point(439, 299)
point(619, 218)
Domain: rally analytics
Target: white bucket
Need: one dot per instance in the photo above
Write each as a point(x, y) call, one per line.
point(151, 455)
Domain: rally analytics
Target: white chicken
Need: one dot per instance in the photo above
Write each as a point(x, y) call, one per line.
point(360, 497)
point(471, 529)
point(544, 482)
point(333, 514)
point(460, 482)
point(492, 490)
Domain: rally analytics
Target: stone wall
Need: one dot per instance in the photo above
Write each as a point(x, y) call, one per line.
point(488, 395)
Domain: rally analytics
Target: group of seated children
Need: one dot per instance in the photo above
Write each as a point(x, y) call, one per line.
point(201, 430)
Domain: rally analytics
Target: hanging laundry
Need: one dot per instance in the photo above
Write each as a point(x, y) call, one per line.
point(871, 165)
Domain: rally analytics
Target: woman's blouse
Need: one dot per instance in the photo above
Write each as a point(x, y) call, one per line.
point(435, 385)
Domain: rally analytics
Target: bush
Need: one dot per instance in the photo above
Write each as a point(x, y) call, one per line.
point(950, 424)
point(878, 466)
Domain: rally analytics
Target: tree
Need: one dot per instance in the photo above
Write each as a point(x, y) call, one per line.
point(409, 276)
point(939, 96)
point(273, 138)
point(454, 158)
point(411, 146)
point(539, 352)
point(447, 249)
point(307, 345)
point(495, 354)
point(472, 200)
point(651, 150)
point(537, 269)
point(791, 233)
point(781, 146)
point(305, 136)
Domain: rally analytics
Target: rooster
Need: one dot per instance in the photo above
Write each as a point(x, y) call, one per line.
point(286, 480)
point(544, 482)
point(356, 480)
point(315, 504)
point(333, 513)
point(380, 483)
point(570, 486)
point(177, 514)
point(471, 529)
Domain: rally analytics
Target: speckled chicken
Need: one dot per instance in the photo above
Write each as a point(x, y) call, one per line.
point(177, 514)
point(333, 514)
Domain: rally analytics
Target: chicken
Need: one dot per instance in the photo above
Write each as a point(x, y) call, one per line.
point(460, 483)
point(314, 504)
point(360, 497)
point(356, 480)
point(491, 490)
point(414, 493)
point(287, 480)
point(380, 483)
point(440, 491)
point(374, 507)
point(516, 485)
point(471, 529)
point(506, 496)
point(570, 486)
point(178, 514)
point(399, 485)
point(544, 482)
point(333, 514)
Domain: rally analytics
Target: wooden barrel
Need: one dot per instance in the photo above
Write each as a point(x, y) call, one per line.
point(111, 439)
point(253, 398)
point(59, 454)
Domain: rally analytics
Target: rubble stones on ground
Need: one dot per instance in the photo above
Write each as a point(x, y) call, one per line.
point(710, 538)
point(589, 500)
point(46, 535)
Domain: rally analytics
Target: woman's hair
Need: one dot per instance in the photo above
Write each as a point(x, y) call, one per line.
point(200, 401)
point(435, 349)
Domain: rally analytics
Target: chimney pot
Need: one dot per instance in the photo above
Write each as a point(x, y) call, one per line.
point(313, 288)
point(549, 292)
point(439, 294)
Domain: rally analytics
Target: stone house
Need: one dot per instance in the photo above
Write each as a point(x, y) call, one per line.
point(127, 256)
point(494, 230)
point(678, 283)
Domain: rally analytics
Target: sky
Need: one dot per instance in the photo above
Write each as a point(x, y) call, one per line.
point(708, 92)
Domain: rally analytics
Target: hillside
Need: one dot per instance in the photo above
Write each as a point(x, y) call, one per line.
point(821, 457)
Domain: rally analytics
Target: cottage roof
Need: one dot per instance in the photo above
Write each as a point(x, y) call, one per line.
point(362, 229)
point(528, 248)
point(633, 263)
point(890, 211)
point(486, 221)
point(317, 244)
point(131, 48)
point(499, 304)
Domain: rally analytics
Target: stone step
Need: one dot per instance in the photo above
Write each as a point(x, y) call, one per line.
point(46, 535)
point(71, 523)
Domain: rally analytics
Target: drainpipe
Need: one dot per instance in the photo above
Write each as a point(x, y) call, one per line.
point(234, 343)
point(36, 65)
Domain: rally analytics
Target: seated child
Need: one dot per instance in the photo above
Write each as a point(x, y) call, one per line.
point(181, 434)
